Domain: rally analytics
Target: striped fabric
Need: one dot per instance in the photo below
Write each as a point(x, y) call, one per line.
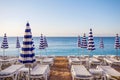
point(91, 45)
point(84, 42)
point(79, 42)
point(4, 44)
point(41, 46)
point(45, 42)
point(33, 44)
point(101, 43)
point(17, 43)
point(117, 44)
point(27, 52)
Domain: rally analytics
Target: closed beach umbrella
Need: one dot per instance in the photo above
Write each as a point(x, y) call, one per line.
point(101, 44)
point(27, 55)
point(41, 46)
point(79, 43)
point(18, 44)
point(33, 44)
point(45, 42)
point(84, 42)
point(91, 45)
point(116, 46)
point(4, 44)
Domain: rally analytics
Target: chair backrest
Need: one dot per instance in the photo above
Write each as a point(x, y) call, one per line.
point(80, 70)
point(11, 69)
point(39, 69)
point(109, 70)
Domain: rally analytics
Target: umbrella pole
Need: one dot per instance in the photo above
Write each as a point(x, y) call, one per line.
point(46, 52)
point(29, 73)
point(4, 54)
point(18, 51)
point(117, 54)
point(89, 60)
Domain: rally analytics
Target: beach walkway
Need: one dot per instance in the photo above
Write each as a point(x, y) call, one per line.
point(60, 69)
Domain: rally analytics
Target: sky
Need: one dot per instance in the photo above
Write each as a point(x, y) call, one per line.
point(60, 17)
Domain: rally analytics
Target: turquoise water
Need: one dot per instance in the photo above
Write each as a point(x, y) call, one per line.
point(63, 46)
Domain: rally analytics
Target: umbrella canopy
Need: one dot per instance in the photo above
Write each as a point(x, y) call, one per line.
point(91, 45)
point(84, 42)
point(101, 43)
point(33, 44)
point(79, 42)
point(45, 42)
point(117, 44)
point(5, 42)
point(18, 43)
point(41, 46)
point(27, 55)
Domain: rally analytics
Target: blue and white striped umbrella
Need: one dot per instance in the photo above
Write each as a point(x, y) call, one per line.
point(101, 43)
point(33, 44)
point(45, 42)
point(18, 43)
point(41, 46)
point(117, 44)
point(91, 45)
point(79, 42)
point(4, 44)
point(27, 55)
point(84, 42)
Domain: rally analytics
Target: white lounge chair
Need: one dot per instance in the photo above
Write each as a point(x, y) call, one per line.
point(73, 61)
point(80, 72)
point(11, 71)
point(40, 71)
point(110, 72)
point(111, 61)
point(48, 61)
point(94, 61)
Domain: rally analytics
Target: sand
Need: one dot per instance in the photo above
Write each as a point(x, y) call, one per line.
point(60, 69)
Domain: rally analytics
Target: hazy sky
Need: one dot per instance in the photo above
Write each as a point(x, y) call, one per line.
point(60, 17)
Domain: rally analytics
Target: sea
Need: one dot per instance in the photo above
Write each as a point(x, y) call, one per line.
point(62, 46)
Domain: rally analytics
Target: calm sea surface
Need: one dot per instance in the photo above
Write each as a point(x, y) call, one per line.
point(62, 46)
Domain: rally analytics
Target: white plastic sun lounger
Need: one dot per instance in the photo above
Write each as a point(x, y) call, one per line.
point(48, 61)
point(112, 61)
point(10, 72)
point(80, 72)
point(73, 61)
point(109, 72)
point(8, 60)
point(40, 71)
point(94, 61)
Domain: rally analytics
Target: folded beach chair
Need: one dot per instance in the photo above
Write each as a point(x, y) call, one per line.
point(11, 71)
point(40, 72)
point(109, 72)
point(73, 61)
point(48, 61)
point(80, 72)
